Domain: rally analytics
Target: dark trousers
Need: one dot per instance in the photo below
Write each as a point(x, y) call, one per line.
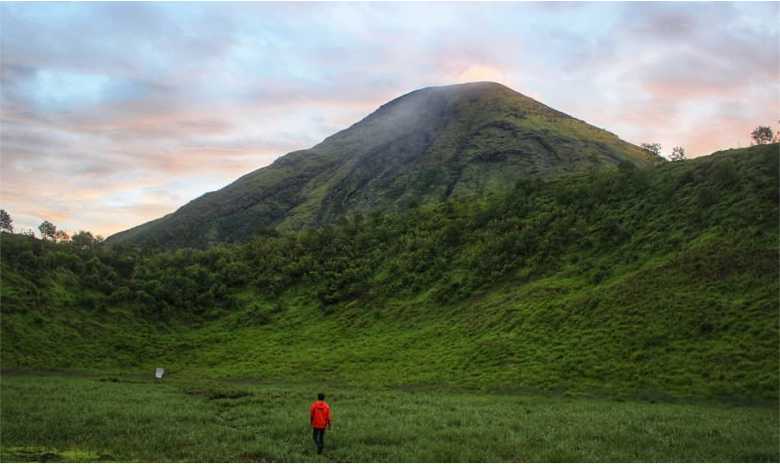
point(319, 438)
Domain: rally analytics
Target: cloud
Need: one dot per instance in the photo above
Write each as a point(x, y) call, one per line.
point(114, 114)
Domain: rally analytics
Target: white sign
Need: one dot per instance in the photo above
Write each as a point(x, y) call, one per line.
point(159, 373)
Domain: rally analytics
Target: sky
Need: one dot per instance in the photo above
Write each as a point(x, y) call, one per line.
point(113, 114)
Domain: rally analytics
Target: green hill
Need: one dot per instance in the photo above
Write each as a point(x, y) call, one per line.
point(430, 145)
point(658, 282)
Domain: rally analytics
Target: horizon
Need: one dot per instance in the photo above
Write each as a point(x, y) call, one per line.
point(117, 114)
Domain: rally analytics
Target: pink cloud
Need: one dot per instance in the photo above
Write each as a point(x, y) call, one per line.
point(187, 112)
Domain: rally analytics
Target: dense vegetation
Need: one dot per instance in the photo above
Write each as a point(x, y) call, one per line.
point(643, 282)
point(430, 145)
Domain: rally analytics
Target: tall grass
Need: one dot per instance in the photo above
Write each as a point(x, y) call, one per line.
point(72, 418)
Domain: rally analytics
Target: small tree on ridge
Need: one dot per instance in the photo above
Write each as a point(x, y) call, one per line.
point(6, 223)
point(48, 230)
point(61, 236)
point(654, 148)
point(678, 154)
point(762, 135)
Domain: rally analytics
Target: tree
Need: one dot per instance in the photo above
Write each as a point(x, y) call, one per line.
point(48, 230)
point(61, 236)
point(654, 148)
point(6, 223)
point(678, 154)
point(83, 239)
point(762, 135)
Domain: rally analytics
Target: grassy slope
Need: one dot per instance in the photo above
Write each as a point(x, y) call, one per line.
point(425, 146)
point(644, 284)
point(76, 418)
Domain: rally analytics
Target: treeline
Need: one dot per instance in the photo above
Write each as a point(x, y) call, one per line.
point(593, 223)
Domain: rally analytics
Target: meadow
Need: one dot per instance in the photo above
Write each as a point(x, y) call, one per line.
point(626, 315)
point(82, 416)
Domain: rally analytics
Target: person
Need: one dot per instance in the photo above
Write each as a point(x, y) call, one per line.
point(319, 417)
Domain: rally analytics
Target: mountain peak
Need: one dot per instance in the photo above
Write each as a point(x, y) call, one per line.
point(478, 86)
point(429, 109)
point(427, 145)
point(468, 89)
point(479, 89)
point(491, 95)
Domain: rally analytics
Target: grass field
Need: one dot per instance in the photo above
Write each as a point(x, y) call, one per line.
point(622, 316)
point(69, 416)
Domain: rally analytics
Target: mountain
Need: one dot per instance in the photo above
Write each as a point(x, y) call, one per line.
point(641, 282)
point(429, 145)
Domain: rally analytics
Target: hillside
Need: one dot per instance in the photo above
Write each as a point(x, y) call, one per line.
point(429, 145)
point(658, 282)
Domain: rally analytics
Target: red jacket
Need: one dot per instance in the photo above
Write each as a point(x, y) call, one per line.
point(319, 413)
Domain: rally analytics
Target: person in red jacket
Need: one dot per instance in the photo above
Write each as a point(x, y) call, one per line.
point(319, 417)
